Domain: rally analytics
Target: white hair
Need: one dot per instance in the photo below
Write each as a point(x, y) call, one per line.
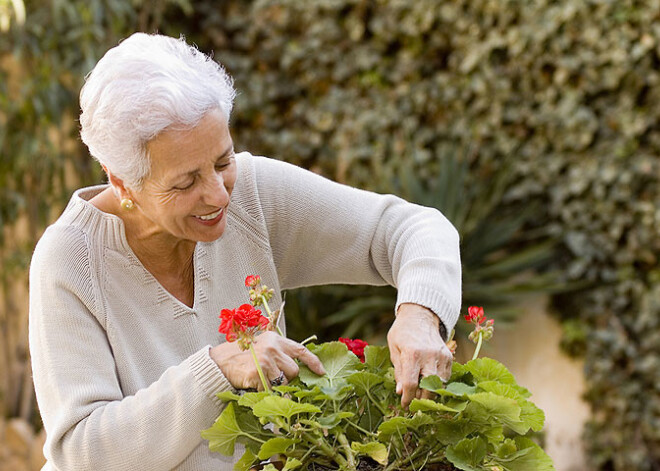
point(146, 84)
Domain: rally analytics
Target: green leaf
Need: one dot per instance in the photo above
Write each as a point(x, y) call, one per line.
point(468, 454)
point(377, 358)
point(286, 389)
point(531, 415)
point(339, 364)
point(529, 456)
point(275, 406)
point(487, 369)
point(269, 467)
point(495, 407)
point(500, 389)
point(251, 398)
point(332, 420)
point(401, 425)
point(435, 384)
point(246, 461)
point(461, 389)
point(508, 447)
point(429, 405)
point(228, 396)
point(291, 463)
point(375, 450)
point(364, 381)
point(275, 446)
point(223, 433)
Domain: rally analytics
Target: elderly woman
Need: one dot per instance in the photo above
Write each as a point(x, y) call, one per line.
point(127, 285)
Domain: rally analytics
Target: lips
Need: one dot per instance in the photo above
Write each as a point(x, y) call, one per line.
point(211, 219)
point(211, 216)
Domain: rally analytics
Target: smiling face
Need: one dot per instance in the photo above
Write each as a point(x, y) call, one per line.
point(192, 176)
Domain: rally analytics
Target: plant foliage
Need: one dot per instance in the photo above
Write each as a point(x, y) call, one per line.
point(477, 421)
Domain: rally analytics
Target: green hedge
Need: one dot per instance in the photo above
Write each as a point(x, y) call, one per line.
point(564, 93)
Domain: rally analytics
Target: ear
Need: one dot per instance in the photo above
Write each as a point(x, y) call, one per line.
point(117, 185)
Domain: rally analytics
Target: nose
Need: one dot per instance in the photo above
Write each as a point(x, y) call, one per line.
point(215, 193)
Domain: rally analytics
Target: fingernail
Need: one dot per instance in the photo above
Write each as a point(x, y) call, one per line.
point(398, 388)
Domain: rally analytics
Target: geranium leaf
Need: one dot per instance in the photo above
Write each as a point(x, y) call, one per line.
point(228, 396)
point(467, 454)
point(429, 405)
point(223, 433)
point(461, 389)
point(286, 389)
point(275, 406)
point(364, 381)
point(486, 407)
point(377, 358)
point(291, 463)
point(375, 451)
point(332, 420)
point(275, 446)
point(531, 415)
point(251, 398)
point(400, 425)
point(435, 384)
point(487, 369)
point(338, 364)
point(499, 389)
point(246, 461)
point(529, 456)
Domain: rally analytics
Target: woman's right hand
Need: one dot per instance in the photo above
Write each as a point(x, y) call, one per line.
point(276, 354)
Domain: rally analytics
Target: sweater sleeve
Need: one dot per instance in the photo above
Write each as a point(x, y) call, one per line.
point(323, 232)
point(88, 421)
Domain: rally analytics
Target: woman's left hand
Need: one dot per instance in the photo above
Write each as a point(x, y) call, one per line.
point(417, 350)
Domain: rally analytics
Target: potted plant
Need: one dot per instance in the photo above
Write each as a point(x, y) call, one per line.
point(351, 418)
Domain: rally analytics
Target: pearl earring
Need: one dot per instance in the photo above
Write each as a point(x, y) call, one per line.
point(127, 204)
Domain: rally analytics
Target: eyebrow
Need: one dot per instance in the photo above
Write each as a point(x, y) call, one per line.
point(226, 153)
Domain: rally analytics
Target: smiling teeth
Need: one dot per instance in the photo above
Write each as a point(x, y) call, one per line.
point(208, 217)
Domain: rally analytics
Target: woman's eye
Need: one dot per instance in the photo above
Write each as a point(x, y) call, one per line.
point(221, 167)
point(185, 187)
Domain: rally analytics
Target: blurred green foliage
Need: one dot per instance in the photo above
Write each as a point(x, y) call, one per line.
point(552, 107)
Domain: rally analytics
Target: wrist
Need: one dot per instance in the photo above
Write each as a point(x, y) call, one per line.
point(422, 313)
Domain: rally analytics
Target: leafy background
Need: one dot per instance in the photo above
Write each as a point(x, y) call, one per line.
point(534, 125)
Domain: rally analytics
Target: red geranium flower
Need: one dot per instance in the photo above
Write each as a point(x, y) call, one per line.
point(252, 280)
point(355, 345)
point(475, 315)
point(244, 322)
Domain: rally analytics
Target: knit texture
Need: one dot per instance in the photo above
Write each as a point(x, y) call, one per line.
point(122, 369)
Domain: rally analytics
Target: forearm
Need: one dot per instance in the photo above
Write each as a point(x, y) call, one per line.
point(157, 427)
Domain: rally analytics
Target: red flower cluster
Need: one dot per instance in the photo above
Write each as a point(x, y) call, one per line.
point(483, 327)
point(252, 280)
point(476, 315)
point(245, 319)
point(356, 346)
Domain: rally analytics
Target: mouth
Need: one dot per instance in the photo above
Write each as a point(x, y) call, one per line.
point(211, 216)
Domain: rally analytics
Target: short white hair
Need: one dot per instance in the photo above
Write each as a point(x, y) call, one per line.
point(146, 84)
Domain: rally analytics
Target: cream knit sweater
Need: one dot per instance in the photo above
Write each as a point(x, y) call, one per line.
point(122, 370)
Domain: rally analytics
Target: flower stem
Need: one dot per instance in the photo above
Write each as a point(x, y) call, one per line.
point(270, 315)
point(308, 339)
point(347, 450)
point(479, 342)
point(259, 370)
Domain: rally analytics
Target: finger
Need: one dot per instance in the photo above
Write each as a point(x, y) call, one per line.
point(289, 367)
point(409, 380)
point(395, 358)
point(444, 365)
point(296, 350)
